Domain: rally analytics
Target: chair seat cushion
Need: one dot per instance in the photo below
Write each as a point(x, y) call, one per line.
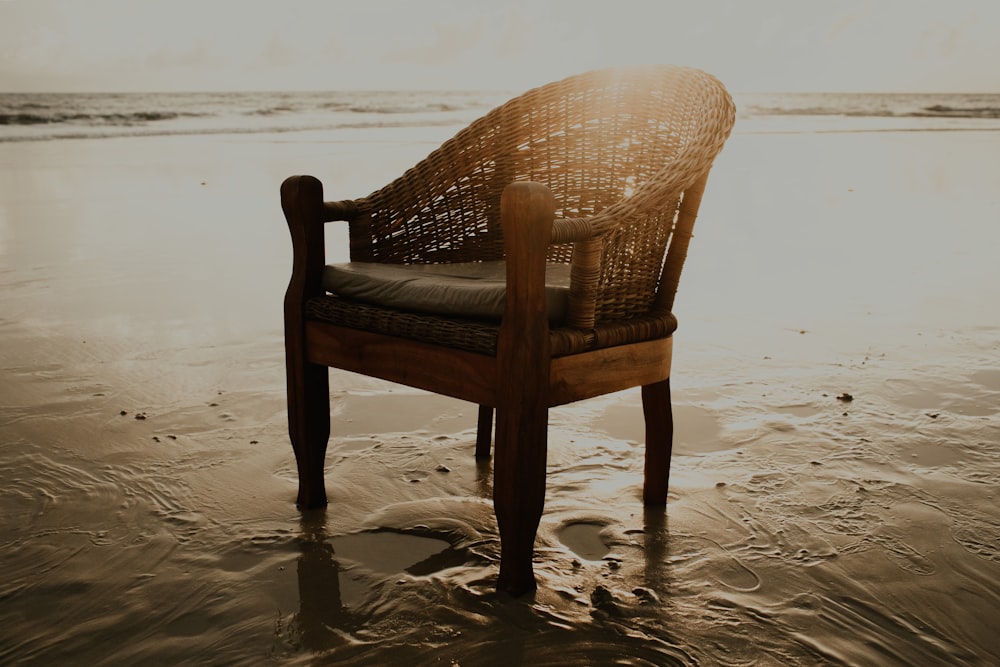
point(468, 289)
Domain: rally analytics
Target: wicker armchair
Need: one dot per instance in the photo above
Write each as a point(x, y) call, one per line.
point(597, 177)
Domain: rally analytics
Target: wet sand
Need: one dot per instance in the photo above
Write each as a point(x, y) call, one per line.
point(836, 384)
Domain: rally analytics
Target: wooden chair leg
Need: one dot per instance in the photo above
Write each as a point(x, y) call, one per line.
point(309, 427)
point(659, 441)
point(519, 491)
point(308, 385)
point(484, 432)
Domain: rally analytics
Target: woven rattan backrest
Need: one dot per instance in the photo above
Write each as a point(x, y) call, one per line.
point(617, 148)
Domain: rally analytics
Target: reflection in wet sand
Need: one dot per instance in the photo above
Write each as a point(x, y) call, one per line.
point(324, 622)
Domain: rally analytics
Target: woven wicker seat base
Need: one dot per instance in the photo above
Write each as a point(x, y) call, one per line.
point(479, 336)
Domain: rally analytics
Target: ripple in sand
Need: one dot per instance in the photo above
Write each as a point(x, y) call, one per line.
point(798, 409)
point(701, 558)
point(400, 412)
point(989, 378)
point(948, 397)
point(932, 455)
point(902, 554)
point(696, 429)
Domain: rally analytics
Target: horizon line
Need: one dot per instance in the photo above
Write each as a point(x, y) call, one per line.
point(407, 89)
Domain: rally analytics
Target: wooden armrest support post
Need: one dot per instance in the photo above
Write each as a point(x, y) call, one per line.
point(677, 253)
point(527, 211)
point(302, 203)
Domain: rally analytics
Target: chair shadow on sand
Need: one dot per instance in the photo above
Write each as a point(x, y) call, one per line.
point(330, 596)
point(331, 615)
point(325, 618)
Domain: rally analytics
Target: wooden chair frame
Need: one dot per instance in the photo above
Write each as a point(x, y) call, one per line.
point(525, 375)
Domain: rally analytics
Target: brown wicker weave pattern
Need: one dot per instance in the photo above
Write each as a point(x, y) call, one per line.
point(460, 334)
point(618, 148)
point(477, 336)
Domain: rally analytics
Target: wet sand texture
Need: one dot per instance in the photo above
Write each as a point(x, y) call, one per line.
point(144, 277)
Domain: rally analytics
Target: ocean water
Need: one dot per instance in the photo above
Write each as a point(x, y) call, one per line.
point(27, 117)
point(834, 488)
point(61, 116)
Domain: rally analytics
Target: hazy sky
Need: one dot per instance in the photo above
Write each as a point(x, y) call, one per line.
point(752, 45)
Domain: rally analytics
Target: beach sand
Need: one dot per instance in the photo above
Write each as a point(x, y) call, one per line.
point(836, 385)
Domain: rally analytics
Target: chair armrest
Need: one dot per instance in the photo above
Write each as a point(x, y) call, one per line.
point(347, 210)
point(306, 212)
point(295, 187)
point(571, 230)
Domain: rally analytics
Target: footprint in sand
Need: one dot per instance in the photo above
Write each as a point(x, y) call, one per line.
point(389, 552)
point(584, 539)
